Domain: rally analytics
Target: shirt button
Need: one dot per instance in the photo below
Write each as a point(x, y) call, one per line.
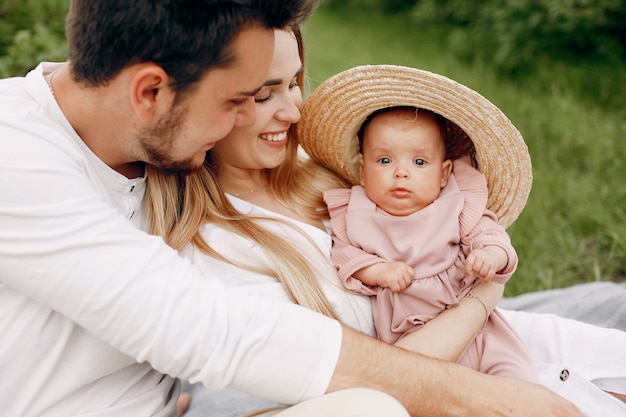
point(564, 375)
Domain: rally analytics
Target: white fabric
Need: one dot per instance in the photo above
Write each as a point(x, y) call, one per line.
point(89, 304)
point(354, 309)
point(594, 358)
point(353, 402)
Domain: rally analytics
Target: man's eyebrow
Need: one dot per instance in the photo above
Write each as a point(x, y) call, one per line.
point(252, 92)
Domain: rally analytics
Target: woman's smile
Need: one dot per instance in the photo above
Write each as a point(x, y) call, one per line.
point(275, 139)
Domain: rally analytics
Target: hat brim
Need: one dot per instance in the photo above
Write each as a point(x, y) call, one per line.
point(334, 112)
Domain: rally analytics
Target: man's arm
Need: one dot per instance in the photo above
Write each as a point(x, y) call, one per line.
point(433, 388)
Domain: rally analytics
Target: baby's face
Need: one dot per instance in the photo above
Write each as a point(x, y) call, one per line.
point(403, 167)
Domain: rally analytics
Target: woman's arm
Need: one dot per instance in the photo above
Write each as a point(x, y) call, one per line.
point(448, 335)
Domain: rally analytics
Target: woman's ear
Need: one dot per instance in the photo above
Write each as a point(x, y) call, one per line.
point(446, 170)
point(150, 93)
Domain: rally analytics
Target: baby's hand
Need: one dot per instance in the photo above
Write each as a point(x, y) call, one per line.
point(485, 263)
point(393, 275)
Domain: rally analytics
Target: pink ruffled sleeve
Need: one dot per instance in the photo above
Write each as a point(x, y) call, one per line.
point(479, 226)
point(347, 258)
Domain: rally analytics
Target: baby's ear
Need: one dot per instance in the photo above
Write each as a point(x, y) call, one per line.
point(361, 182)
point(446, 170)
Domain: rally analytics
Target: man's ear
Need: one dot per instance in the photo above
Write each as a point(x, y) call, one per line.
point(150, 91)
point(446, 170)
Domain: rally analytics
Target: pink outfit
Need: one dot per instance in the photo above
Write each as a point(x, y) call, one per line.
point(435, 242)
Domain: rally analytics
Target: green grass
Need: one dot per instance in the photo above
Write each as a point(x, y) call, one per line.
point(572, 117)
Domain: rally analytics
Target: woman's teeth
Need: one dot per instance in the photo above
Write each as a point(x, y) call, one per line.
point(277, 137)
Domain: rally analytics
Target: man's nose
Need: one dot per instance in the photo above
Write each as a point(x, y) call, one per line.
point(246, 113)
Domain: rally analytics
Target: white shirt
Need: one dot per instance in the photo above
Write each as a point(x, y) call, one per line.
point(94, 311)
point(354, 310)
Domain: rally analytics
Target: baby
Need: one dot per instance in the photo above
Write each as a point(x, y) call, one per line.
point(416, 235)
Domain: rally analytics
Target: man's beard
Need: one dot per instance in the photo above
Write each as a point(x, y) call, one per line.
point(157, 143)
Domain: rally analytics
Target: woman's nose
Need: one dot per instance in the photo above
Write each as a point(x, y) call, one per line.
point(289, 112)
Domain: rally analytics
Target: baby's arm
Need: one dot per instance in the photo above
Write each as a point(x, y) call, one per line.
point(485, 263)
point(393, 275)
point(491, 237)
point(499, 260)
point(357, 269)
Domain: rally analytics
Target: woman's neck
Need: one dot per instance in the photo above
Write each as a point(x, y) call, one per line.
point(241, 183)
point(253, 187)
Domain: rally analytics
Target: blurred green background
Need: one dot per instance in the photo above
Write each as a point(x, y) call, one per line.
point(556, 68)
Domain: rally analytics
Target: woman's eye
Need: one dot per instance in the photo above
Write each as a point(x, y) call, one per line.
point(294, 84)
point(419, 162)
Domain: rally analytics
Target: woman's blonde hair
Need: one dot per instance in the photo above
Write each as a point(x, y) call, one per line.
point(179, 205)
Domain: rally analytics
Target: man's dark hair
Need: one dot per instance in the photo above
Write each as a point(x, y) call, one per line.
point(185, 37)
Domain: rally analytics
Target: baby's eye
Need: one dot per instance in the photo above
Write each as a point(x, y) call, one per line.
point(419, 162)
point(384, 160)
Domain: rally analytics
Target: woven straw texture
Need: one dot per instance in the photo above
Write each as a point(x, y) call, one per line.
point(334, 112)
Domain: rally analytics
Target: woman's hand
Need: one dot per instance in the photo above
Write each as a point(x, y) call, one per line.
point(183, 403)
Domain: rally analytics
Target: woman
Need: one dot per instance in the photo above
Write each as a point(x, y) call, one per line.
point(292, 189)
point(255, 197)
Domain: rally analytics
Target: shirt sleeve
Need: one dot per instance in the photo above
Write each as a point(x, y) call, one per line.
point(66, 247)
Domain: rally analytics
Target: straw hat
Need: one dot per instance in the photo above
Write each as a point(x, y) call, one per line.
point(334, 112)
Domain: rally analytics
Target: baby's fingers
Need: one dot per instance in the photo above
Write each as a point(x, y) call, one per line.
point(404, 279)
point(484, 270)
point(469, 267)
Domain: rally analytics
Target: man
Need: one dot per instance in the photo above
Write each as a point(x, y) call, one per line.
point(97, 316)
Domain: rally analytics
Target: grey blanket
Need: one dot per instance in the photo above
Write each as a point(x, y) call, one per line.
point(599, 303)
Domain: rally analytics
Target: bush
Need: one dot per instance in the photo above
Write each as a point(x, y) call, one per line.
point(392, 6)
point(31, 31)
point(512, 34)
